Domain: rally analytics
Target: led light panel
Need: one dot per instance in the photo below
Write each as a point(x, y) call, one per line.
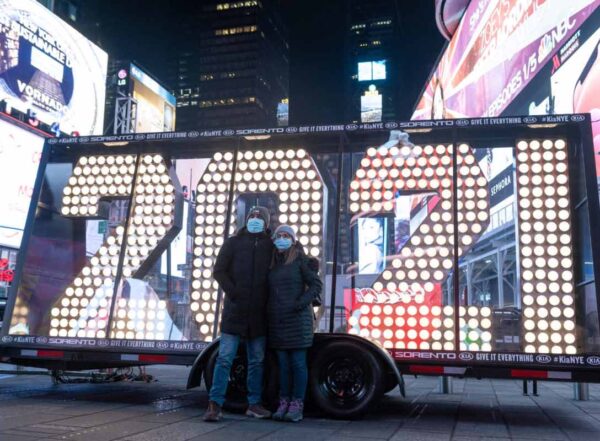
point(545, 247)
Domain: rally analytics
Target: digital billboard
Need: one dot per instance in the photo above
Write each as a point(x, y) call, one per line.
point(372, 70)
point(371, 105)
point(49, 69)
point(498, 49)
point(155, 104)
point(509, 57)
point(372, 244)
point(20, 152)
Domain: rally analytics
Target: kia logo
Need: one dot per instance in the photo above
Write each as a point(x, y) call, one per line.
point(530, 119)
point(7, 339)
point(466, 356)
point(577, 118)
point(593, 360)
point(84, 139)
point(52, 141)
point(543, 358)
point(103, 342)
point(41, 340)
point(291, 129)
point(391, 125)
point(162, 345)
point(140, 137)
point(193, 134)
point(462, 122)
point(200, 346)
point(351, 127)
point(228, 132)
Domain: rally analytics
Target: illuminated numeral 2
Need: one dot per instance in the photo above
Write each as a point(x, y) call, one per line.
point(83, 309)
point(425, 260)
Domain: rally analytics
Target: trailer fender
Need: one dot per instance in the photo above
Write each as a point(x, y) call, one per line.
point(197, 370)
point(383, 355)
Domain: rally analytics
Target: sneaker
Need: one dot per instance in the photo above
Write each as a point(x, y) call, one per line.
point(282, 409)
point(257, 411)
point(294, 412)
point(213, 413)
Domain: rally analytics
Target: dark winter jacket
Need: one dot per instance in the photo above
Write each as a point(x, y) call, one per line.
point(241, 269)
point(292, 289)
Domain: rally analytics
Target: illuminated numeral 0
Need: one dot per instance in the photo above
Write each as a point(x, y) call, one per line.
point(291, 174)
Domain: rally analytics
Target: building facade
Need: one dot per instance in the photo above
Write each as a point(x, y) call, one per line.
point(230, 68)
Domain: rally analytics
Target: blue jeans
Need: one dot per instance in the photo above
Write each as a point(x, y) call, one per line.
point(228, 347)
point(293, 373)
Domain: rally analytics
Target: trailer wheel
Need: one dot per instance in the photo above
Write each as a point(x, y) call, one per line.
point(236, 397)
point(345, 379)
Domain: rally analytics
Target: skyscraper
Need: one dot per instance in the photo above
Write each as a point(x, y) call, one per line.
point(230, 65)
point(372, 65)
point(68, 10)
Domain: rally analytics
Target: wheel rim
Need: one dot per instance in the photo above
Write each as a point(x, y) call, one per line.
point(344, 380)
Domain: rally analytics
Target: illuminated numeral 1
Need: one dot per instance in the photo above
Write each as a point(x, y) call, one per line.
point(545, 247)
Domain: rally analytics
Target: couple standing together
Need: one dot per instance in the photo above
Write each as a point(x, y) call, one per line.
point(269, 286)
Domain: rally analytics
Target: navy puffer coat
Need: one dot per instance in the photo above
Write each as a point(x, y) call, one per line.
point(241, 270)
point(292, 288)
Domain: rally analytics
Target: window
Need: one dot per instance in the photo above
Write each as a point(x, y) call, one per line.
point(381, 23)
point(236, 5)
point(236, 30)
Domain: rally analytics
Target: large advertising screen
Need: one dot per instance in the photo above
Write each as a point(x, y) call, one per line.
point(20, 152)
point(49, 69)
point(510, 57)
point(155, 104)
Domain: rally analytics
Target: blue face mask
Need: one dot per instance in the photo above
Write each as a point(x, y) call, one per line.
point(255, 225)
point(283, 243)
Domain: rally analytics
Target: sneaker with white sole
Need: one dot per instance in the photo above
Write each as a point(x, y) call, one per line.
point(257, 411)
point(295, 411)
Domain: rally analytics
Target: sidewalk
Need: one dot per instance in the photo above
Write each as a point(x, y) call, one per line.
point(32, 408)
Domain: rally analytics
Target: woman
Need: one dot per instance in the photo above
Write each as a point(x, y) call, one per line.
point(293, 286)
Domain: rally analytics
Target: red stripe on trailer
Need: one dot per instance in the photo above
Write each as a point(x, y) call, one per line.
point(527, 373)
point(552, 375)
point(153, 358)
point(425, 369)
point(438, 370)
point(51, 354)
point(42, 353)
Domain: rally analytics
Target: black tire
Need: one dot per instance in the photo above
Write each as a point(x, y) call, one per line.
point(345, 379)
point(391, 383)
point(236, 397)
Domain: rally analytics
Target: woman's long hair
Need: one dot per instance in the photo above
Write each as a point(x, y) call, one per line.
point(289, 255)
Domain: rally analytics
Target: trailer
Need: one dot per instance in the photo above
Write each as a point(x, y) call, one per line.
point(448, 248)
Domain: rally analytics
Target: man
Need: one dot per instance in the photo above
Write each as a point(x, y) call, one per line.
point(241, 270)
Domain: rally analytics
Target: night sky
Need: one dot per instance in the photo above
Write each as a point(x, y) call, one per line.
point(143, 30)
